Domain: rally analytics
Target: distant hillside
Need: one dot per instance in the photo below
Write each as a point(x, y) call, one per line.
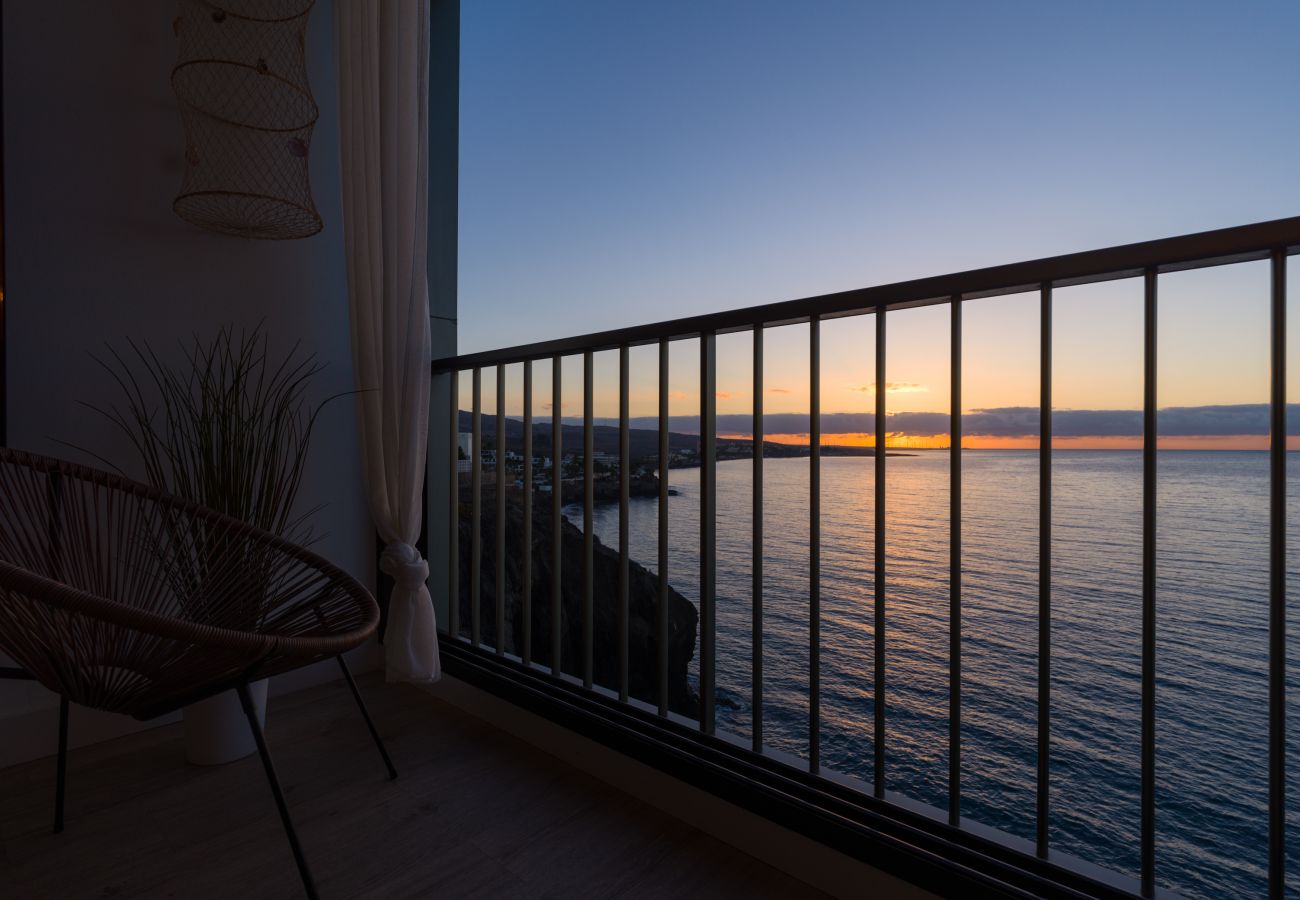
point(643, 442)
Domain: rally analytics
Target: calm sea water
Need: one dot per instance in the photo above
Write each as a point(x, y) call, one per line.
point(1212, 706)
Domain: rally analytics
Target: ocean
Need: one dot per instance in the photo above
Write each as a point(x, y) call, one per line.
point(1211, 641)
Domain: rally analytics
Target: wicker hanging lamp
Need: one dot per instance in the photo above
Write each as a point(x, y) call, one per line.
point(248, 111)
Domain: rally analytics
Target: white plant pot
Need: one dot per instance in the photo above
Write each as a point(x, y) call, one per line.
point(216, 730)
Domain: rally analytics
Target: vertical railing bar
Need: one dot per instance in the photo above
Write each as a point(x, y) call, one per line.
point(527, 586)
point(1044, 566)
point(501, 511)
point(624, 490)
point(453, 531)
point(661, 625)
point(1277, 587)
point(756, 656)
point(878, 767)
point(1148, 761)
point(557, 517)
point(954, 570)
point(476, 511)
point(588, 527)
point(814, 542)
point(708, 525)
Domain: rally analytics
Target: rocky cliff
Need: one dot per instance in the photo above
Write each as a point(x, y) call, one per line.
point(643, 604)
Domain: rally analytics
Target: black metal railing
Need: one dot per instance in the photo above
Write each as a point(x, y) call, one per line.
point(1274, 240)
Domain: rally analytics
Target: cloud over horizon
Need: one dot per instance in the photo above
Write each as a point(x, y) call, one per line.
point(1008, 422)
point(892, 387)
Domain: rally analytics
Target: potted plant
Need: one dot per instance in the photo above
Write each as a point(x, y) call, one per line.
point(228, 427)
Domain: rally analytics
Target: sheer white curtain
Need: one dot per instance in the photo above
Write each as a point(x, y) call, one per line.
point(383, 54)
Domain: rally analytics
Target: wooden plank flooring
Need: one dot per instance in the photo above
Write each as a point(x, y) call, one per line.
point(475, 813)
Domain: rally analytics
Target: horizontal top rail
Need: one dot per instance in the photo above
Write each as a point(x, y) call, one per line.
point(1207, 248)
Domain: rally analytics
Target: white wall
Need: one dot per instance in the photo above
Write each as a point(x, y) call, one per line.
point(93, 253)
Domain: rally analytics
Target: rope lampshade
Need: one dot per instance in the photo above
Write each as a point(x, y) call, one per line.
point(248, 112)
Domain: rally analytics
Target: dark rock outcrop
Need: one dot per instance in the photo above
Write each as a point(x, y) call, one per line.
point(605, 490)
point(643, 604)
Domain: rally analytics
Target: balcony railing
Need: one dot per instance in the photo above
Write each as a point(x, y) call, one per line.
point(864, 816)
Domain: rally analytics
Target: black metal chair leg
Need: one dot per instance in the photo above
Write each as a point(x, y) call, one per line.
point(61, 776)
point(365, 714)
point(250, 712)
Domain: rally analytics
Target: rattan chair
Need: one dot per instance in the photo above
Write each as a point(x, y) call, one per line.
point(122, 598)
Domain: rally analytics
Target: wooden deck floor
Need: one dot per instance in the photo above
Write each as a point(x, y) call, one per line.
point(475, 813)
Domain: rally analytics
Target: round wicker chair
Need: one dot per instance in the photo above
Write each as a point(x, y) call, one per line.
point(125, 599)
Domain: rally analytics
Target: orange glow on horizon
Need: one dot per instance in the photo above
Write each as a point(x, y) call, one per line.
point(900, 441)
point(893, 439)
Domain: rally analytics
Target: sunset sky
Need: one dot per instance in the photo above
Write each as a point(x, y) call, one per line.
point(648, 162)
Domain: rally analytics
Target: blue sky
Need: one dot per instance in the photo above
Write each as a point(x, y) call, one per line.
point(628, 162)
